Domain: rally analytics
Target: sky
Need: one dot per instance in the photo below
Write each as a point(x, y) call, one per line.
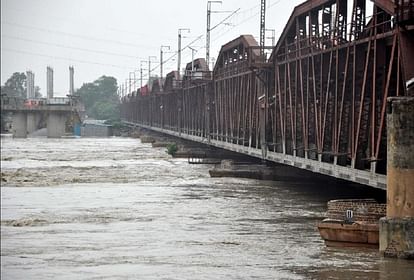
point(117, 37)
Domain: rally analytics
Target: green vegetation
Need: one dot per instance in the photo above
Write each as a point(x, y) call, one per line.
point(116, 124)
point(16, 86)
point(172, 149)
point(100, 98)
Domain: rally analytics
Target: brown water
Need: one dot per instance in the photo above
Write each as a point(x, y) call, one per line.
point(115, 208)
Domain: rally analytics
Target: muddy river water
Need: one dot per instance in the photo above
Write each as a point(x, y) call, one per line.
point(115, 208)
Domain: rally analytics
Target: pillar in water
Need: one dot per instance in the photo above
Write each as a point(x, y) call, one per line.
point(397, 229)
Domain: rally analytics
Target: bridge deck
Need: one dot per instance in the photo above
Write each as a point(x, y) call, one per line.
point(343, 172)
point(57, 108)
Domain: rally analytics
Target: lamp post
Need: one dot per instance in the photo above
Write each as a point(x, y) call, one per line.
point(161, 62)
point(179, 48)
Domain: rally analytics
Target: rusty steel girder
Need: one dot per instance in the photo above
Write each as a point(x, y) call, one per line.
point(320, 97)
point(332, 74)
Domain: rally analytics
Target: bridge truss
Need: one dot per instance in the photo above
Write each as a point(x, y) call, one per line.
point(318, 102)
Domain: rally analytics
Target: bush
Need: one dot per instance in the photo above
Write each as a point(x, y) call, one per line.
point(172, 149)
point(116, 123)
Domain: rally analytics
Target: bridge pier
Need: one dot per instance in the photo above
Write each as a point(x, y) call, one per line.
point(32, 120)
point(19, 124)
point(262, 118)
point(56, 124)
point(397, 229)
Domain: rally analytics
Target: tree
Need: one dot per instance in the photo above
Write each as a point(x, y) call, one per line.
point(105, 110)
point(100, 98)
point(15, 85)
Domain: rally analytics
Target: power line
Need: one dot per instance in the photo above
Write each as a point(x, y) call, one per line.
point(76, 35)
point(67, 59)
point(198, 38)
point(68, 20)
point(226, 18)
point(221, 22)
point(171, 57)
point(270, 5)
point(67, 47)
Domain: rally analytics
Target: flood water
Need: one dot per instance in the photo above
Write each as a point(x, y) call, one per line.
point(119, 209)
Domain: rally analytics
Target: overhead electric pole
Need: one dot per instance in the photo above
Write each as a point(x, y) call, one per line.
point(262, 25)
point(179, 48)
point(132, 77)
point(149, 67)
point(208, 30)
point(192, 59)
point(140, 69)
point(161, 62)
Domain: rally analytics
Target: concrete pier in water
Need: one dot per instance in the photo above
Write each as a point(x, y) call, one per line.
point(19, 125)
point(56, 124)
point(397, 229)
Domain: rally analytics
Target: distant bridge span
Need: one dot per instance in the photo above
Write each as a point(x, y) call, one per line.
point(28, 115)
point(318, 102)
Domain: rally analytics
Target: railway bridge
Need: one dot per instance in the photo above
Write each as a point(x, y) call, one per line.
point(317, 102)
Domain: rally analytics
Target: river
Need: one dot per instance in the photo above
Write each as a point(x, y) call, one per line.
point(115, 208)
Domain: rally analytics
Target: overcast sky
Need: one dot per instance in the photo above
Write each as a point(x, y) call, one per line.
point(111, 37)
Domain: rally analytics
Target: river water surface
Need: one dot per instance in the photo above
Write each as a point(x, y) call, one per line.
point(116, 208)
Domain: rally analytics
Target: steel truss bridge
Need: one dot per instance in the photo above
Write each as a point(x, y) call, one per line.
point(317, 102)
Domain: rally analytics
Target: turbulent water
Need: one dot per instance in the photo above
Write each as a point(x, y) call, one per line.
point(116, 208)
